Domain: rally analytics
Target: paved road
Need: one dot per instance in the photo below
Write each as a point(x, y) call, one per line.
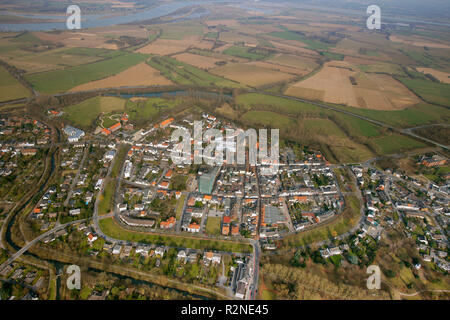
point(77, 176)
point(36, 240)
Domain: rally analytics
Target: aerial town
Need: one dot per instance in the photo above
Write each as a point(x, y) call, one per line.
point(224, 158)
point(122, 198)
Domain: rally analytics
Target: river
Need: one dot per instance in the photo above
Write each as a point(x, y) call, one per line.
point(93, 21)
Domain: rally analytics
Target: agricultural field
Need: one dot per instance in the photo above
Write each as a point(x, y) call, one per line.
point(184, 74)
point(443, 77)
point(432, 92)
point(196, 60)
point(58, 58)
point(346, 138)
point(167, 46)
point(10, 88)
point(139, 75)
point(397, 143)
point(85, 113)
point(251, 75)
point(64, 80)
point(340, 84)
point(251, 53)
point(418, 41)
point(420, 114)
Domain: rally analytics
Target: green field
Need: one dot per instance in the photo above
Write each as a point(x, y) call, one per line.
point(420, 114)
point(62, 80)
point(396, 143)
point(269, 119)
point(85, 113)
point(112, 229)
point(348, 139)
point(293, 108)
point(284, 105)
point(324, 127)
point(213, 226)
point(291, 35)
point(10, 88)
point(149, 109)
point(247, 53)
point(185, 74)
point(432, 92)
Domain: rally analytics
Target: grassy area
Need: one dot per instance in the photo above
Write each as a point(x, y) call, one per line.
point(286, 34)
point(285, 105)
point(179, 209)
point(347, 220)
point(432, 92)
point(332, 55)
point(361, 127)
point(63, 80)
point(423, 113)
point(184, 74)
point(395, 143)
point(348, 139)
point(111, 228)
point(85, 113)
point(213, 226)
point(10, 88)
point(107, 198)
point(324, 126)
point(247, 53)
point(267, 118)
point(149, 109)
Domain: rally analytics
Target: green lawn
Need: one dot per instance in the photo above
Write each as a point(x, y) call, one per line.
point(213, 226)
point(85, 113)
point(111, 228)
point(62, 80)
point(10, 88)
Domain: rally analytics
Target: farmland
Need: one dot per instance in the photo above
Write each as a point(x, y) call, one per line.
point(184, 74)
point(139, 75)
point(371, 91)
point(63, 80)
point(251, 75)
point(10, 88)
point(432, 92)
point(347, 139)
